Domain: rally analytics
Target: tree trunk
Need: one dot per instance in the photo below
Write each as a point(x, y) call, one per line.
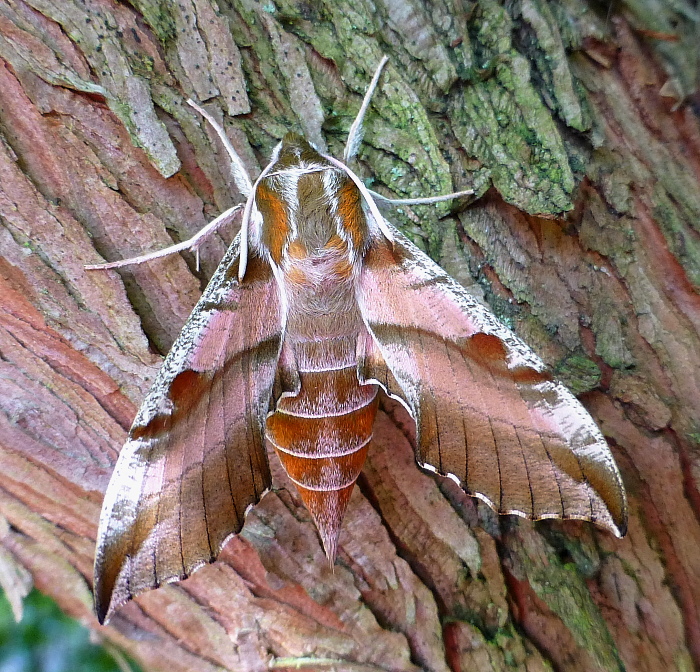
point(573, 122)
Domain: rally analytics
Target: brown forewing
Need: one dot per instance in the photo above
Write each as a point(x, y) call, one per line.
point(195, 458)
point(487, 412)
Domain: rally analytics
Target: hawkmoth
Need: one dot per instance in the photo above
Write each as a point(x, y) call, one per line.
point(318, 305)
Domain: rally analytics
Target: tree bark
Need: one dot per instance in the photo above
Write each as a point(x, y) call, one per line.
point(579, 133)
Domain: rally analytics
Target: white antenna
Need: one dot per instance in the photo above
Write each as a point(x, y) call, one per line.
point(356, 131)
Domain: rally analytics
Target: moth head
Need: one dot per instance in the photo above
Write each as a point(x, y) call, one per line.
point(294, 152)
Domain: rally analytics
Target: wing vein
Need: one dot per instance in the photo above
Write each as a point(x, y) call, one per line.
point(556, 477)
point(225, 440)
point(498, 463)
point(527, 472)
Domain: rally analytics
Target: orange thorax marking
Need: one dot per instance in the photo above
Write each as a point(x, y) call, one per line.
point(276, 221)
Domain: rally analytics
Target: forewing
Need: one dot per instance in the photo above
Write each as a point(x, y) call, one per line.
point(487, 412)
point(195, 457)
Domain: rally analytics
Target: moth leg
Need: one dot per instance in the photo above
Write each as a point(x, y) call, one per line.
point(383, 200)
point(356, 132)
point(240, 174)
point(190, 244)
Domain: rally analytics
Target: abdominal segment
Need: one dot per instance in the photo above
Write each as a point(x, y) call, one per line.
point(322, 434)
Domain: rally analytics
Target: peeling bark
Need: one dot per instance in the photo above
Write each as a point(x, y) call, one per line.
point(583, 237)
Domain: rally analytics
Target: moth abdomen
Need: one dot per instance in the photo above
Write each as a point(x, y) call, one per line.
point(322, 434)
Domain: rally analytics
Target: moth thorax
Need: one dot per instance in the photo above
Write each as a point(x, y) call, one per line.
point(307, 208)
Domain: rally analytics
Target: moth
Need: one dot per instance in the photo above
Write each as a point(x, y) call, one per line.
point(318, 305)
